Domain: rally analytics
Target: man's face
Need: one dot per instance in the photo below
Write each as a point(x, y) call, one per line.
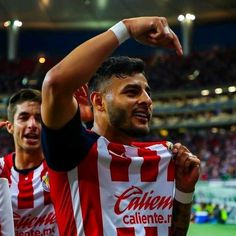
point(26, 127)
point(129, 105)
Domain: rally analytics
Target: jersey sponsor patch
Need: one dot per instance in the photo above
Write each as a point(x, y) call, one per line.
point(45, 182)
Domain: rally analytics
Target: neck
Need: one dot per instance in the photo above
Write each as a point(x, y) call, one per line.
point(27, 160)
point(113, 135)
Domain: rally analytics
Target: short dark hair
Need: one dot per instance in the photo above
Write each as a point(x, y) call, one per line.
point(19, 97)
point(119, 66)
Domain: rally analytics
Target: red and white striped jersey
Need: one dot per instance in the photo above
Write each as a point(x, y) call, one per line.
point(123, 190)
point(33, 211)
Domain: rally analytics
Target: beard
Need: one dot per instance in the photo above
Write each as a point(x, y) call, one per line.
point(120, 120)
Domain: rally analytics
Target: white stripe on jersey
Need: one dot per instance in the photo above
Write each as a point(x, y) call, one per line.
point(74, 188)
point(14, 188)
point(135, 166)
point(38, 201)
point(165, 158)
point(2, 163)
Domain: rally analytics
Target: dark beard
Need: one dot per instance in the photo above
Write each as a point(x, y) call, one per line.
point(118, 119)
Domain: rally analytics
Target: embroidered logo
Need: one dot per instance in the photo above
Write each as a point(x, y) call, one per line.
point(45, 182)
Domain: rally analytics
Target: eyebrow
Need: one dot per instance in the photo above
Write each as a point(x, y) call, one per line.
point(136, 86)
point(23, 113)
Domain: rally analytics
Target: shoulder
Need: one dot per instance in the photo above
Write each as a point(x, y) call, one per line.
point(6, 164)
point(7, 159)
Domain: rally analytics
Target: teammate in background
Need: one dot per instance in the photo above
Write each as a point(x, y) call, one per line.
point(26, 168)
point(102, 181)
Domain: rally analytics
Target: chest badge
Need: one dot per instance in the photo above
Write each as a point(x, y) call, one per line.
point(45, 182)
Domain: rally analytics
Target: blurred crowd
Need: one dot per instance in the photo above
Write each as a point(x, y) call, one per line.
point(166, 72)
point(217, 152)
point(199, 69)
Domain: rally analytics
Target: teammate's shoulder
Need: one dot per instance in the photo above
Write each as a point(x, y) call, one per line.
point(8, 156)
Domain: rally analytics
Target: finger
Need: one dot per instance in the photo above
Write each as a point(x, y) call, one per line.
point(83, 101)
point(181, 158)
point(3, 123)
point(159, 29)
point(194, 160)
point(177, 44)
point(84, 90)
point(178, 147)
point(191, 162)
point(186, 165)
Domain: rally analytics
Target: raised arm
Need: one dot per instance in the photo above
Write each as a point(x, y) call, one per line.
point(60, 83)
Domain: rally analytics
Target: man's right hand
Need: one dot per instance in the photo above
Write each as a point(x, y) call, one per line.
point(153, 31)
point(2, 124)
point(81, 96)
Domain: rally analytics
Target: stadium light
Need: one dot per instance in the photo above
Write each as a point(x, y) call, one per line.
point(7, 23)
point(181, 18)
point(232, 89)
point(214, 130)
point(42, 60)
point(218, 90)
point(205, 92)
point(188, 17)
point(17, 23)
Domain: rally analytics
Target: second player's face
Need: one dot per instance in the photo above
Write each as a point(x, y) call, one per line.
point(26, 128)
point(129, 105)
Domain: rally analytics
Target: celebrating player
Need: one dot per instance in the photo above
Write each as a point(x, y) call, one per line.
point(26, 169)
point(102, 181)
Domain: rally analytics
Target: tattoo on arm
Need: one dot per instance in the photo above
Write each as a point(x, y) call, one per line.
point(180, 219)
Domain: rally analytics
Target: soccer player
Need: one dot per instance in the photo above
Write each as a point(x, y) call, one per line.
point(26, 168)
point(104, 182)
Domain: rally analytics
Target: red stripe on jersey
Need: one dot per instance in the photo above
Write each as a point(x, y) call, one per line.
point(44, 174)
point(151, 231)
point(171, 171)
point(26, 191)
point(89, 191)
point(148, 144)
point(150, 166)
point(8, 164)
point(120, 163)
point(61, 198)
point(126, 231)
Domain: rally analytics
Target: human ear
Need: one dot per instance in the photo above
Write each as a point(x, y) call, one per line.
point(9, 127)
point(97, 101)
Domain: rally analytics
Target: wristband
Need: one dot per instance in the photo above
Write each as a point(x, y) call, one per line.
point(182, 197)
point(120, 31)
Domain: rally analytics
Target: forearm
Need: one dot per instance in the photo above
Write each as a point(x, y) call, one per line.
point(60, 83)
point(180, 218)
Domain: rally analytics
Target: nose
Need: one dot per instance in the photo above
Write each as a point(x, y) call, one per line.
point(145, 98)
point(32, 123)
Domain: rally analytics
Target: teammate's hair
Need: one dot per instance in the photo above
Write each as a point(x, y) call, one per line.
point(23, 95)
point(115, 66)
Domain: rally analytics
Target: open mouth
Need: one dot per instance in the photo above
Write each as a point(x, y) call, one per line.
point(143, 116)
point(31, 137)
